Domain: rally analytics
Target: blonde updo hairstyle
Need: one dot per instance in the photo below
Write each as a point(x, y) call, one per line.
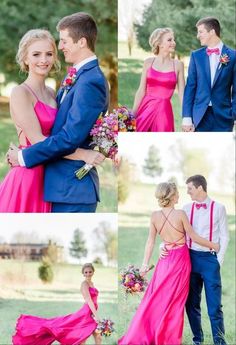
point(165, 192)
point(30, 37)
point(156, 38)
point(87, 265)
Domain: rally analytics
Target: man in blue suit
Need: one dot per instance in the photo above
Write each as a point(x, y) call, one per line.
point(209, 103)
point(80, 102)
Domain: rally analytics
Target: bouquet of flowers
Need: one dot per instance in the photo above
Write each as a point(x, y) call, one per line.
point(126, 119)
point(132, 281)
point(104, 136)
point(105, 327)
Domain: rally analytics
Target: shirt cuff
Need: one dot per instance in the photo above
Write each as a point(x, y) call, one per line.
point(21, 159)
point(187, 121)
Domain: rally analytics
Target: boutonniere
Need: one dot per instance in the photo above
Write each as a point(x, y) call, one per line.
point(70, 79)
point(224, 60)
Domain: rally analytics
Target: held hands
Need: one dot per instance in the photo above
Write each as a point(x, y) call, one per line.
point(188, 128)
point(12, 155)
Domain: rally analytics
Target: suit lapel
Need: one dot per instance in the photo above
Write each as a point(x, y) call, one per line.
point(219, 68)
point(84, 68)
point(207, 69)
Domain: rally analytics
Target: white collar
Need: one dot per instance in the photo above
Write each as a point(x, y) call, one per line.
point(219, 45)
point(206, 201)
point(82, 63)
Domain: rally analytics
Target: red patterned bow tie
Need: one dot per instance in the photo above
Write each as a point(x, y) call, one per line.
point(213, 51)
point(201, 205)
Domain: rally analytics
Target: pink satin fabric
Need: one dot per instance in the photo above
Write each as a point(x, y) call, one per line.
point(159, 318)
point(155, 112)
point(71, 329)
point(22, 188)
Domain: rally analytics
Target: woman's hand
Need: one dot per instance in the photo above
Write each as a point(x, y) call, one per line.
point(97, 318)
point(12, 155)
point(143, 270)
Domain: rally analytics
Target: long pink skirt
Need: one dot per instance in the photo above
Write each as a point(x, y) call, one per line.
point(159, 319)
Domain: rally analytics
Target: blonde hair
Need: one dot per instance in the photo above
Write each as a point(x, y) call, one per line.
point(30, 37)
point(88, 265)
point(165, 192)
point(156, 38)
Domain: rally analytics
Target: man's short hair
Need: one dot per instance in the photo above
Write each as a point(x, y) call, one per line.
point(210, 23)
point(80, 25)
point(198, 180)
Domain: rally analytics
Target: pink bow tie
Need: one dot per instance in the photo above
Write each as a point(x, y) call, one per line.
point(213, 51)
point(201, 205)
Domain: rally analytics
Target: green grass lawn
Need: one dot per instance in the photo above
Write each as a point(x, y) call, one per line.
point(21, 292)
point(130, 69)
point(134, 217)
point(108, 182)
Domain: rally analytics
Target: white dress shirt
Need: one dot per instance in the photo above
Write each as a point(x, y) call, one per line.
point(214, 61)
point(77, 66)
point(201, 225)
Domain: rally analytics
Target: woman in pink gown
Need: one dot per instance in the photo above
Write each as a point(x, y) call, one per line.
point(159, 318)
point(72, 329)
point(161, 74)
point(33, 109)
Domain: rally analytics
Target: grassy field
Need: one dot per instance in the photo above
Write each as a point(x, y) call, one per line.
point(130, 69)
point(108, 189)
point(134, 218)
point(22, 292)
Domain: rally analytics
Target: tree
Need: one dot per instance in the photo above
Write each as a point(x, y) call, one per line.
point(78, 245)
point(42, 14)
point(123, 180)
point(25, 237)
point(189, 161)
point(182, 15)
point(106, 241)
point(45, 271)
point(152, 166)
point(51, 252)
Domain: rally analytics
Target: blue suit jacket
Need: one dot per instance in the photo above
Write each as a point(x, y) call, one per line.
point(78, 112)
point(199, 92)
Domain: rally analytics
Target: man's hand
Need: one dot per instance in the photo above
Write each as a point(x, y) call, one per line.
point(163, 253)
point(93, 157)
point(12, 155)
point(188, 128)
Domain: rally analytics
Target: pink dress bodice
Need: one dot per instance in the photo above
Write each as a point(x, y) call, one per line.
point(155, 112)
point(22, 189)
point(160, 84)
point(46, 115)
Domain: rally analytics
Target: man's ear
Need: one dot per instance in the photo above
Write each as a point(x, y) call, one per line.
point(82, 42)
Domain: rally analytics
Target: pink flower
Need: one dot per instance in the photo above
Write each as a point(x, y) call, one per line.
point(224, 60)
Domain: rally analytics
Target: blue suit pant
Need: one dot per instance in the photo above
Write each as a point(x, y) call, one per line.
point(73, 208)
point(205, 271)
point(210, 123)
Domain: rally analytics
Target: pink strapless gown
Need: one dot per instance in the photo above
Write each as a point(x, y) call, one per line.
point(71, 329)
point(159, 319)
point(22, 188)
point(155, 112)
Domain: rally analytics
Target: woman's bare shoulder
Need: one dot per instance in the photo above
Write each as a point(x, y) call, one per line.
point(148, 62)
point(51, 91)
point(19, 92)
